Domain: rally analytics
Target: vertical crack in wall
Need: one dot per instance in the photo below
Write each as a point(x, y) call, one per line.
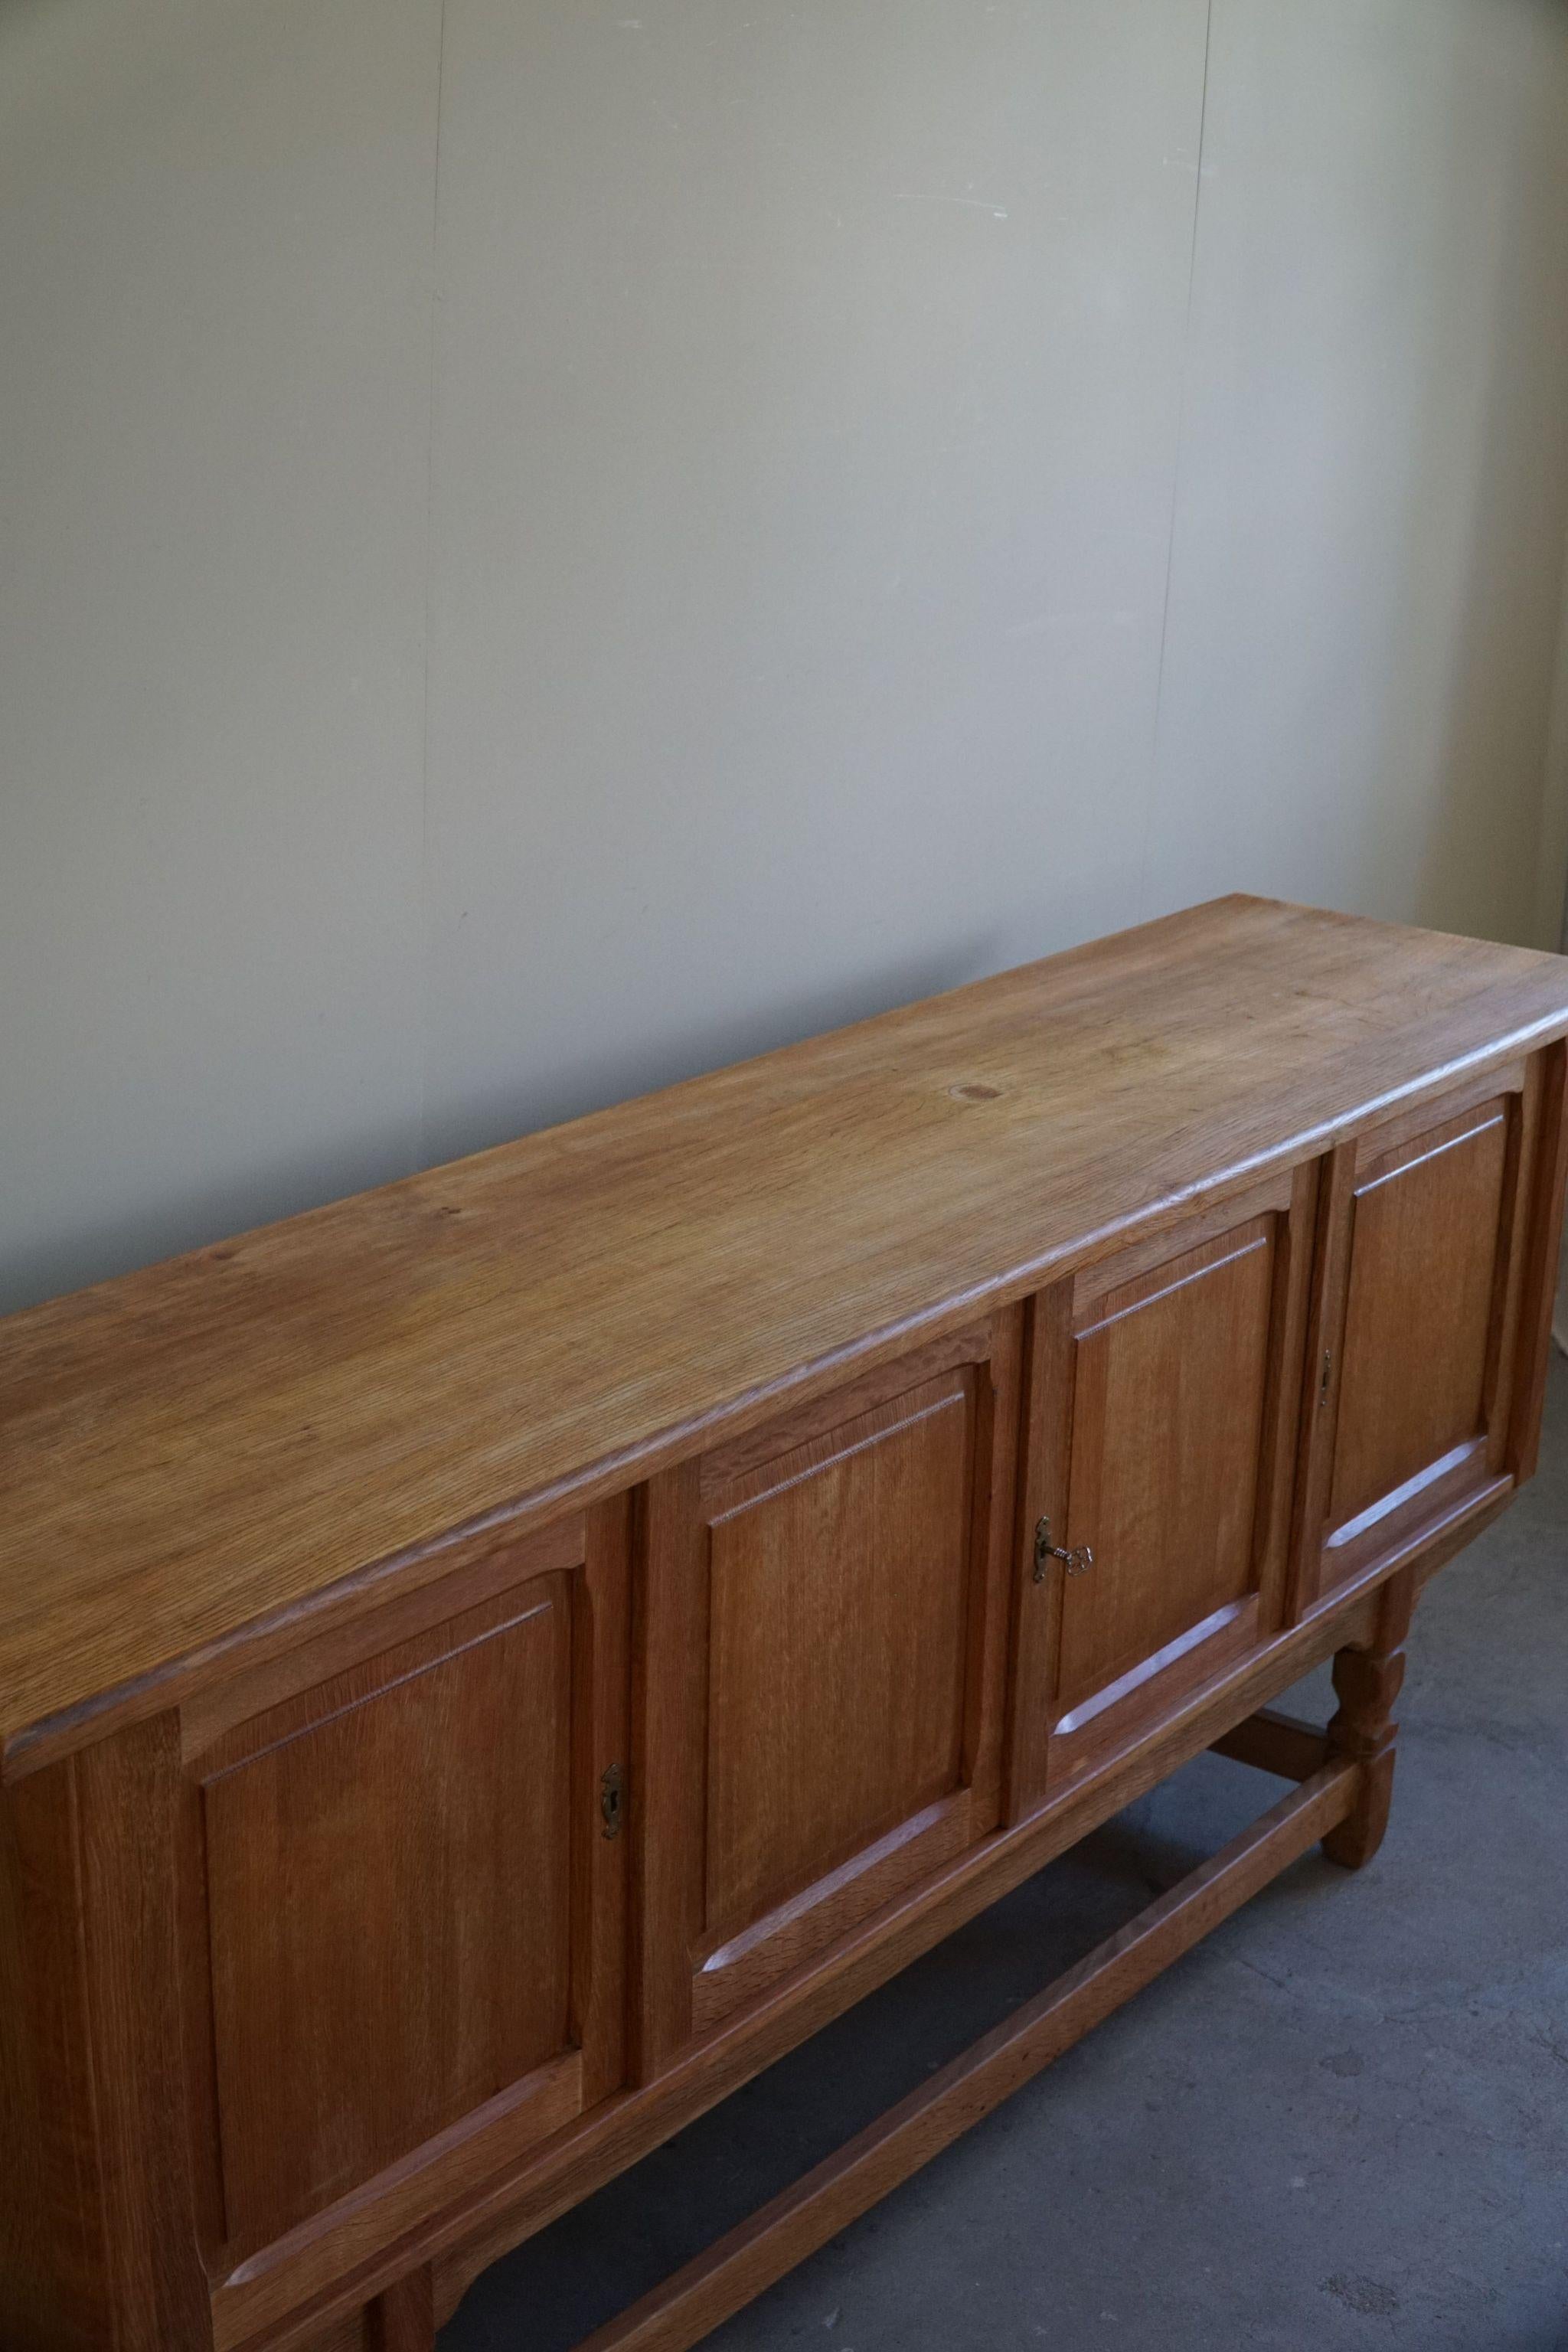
point(1175, 476)
point(421, 1133)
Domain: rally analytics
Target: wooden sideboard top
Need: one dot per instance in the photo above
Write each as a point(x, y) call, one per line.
point(224, 1436)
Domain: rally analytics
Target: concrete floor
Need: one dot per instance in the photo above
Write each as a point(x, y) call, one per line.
point(1343, 2122)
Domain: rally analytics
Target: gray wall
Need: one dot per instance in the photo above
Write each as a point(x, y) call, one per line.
point(546, 550)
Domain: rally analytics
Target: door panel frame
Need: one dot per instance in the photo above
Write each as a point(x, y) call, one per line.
point(1332, 1562)
point(684, 1985)
point(287, 1697)
point(1050, 1750)
point(724, 1941)
point(1098, 1305)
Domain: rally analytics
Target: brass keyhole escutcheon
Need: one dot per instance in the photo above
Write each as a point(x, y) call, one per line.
point(1078, 1561)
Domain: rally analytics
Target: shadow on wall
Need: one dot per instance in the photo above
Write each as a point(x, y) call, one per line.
point(1367, 558)
point(1495, 424)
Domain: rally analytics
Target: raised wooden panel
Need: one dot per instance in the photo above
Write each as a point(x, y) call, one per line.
point(403, 1893)
point(1167, 1419)
point(1423, 1283)
point(825, 1618)
point(1164, 1387)
point(390, 1934)
point(1423, 1259)
point(839, 1601)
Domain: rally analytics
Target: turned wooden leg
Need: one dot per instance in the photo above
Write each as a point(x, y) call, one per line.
point(1366, 1683)
point(402, 2318)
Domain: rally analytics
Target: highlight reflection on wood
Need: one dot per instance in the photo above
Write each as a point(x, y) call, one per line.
point(486, 1667)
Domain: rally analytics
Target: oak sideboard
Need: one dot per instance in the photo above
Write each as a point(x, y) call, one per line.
point(487, 1666)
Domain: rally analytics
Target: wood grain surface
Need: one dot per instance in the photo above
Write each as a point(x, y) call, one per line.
point(209, 1443)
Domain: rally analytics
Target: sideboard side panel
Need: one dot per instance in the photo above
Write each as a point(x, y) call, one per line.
point(128, 1797)
point(1542, 1252)
point(98, 2246)
point(50, 2218)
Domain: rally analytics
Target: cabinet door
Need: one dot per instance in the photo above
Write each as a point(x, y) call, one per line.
point(409, 1923)
point(821, 1675)
point(1415, 1353)
point(1164, 1390)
